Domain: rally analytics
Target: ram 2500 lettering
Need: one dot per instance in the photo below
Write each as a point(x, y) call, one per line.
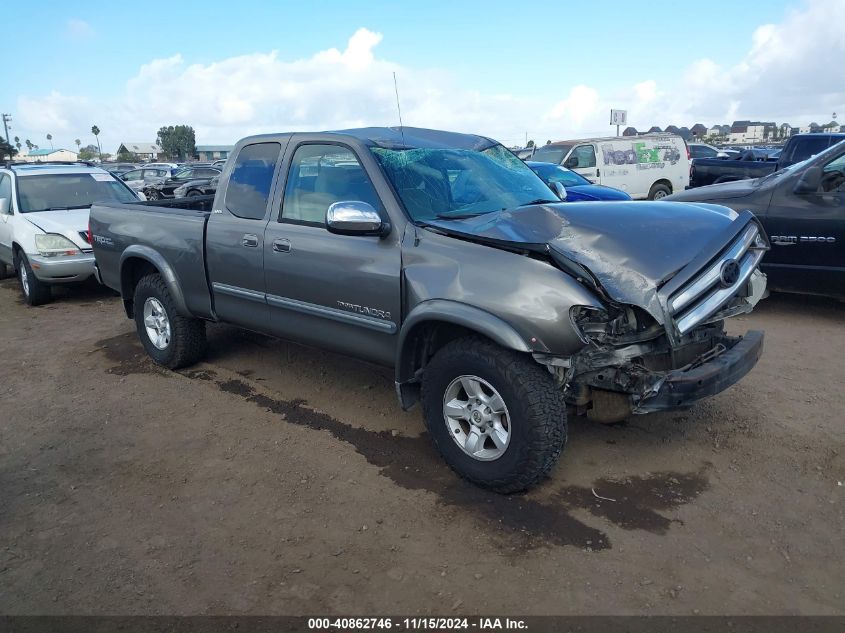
point(444, 256)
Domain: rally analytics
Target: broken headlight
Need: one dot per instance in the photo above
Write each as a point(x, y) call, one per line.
point(599, 326)
point(590, 322)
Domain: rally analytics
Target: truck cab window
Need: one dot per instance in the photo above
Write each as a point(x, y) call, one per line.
point(833, 176)
point(249, 185)
point(321, 175)
point(586, 156)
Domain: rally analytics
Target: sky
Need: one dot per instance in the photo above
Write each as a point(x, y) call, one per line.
point(505, 69)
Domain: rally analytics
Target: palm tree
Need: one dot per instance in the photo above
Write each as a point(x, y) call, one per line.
point(28, 144)
point(96, 132)
point(50, 138)
point(18, 143)
point(78, 144)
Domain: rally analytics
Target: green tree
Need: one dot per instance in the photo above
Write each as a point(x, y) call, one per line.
point(6, 148)
point(18, 143)
point(530, 144)
point(50, 138)
point(177, 142)
point(28, 144)
point(96, 132)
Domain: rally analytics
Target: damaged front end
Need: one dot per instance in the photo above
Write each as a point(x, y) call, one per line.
point(634, 363)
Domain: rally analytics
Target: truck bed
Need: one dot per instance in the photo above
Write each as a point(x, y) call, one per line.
point(170, 234)
point(710, 171)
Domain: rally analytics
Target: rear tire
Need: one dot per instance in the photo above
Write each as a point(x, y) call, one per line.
point(534, 414)
point(35, 292)
point(193, 194)
point(170, 339)
point(659, 191)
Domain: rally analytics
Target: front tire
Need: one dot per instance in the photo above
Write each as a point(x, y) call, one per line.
point(35, 292)
point(170, 339)
point(495, 415)
point(659, 191)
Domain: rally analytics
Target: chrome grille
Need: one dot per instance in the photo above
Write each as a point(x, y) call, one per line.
point(707, 293)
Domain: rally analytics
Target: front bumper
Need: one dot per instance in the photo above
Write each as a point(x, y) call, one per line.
point(682, 387)
point(56, 270)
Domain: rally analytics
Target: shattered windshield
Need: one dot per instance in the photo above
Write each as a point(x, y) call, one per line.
point(455, 183)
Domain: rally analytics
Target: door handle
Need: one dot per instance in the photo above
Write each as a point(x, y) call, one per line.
point(598, 173)
point(249, 240)
point(281, 245)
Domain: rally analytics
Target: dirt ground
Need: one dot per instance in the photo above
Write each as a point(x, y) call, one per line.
point(276, 479)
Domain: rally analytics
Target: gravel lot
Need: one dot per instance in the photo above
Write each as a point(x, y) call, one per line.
point(278, 479)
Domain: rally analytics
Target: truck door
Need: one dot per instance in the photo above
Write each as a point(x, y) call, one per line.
point(807, 231)
point(334, 291)
point(582, 159)
point(235, 238)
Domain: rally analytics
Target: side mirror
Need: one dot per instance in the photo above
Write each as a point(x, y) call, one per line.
point(4, 205)
point(809, 181)
point(355, 218)
point(571, 162)
point(559, 190)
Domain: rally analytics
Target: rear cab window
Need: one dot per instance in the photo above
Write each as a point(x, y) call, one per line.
point(249, 185)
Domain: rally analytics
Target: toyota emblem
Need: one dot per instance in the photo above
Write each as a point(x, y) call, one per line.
point(729, 274)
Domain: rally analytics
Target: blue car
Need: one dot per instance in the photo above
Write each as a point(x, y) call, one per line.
point(578, 188)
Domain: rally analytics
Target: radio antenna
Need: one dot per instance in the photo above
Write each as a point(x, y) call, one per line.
point(398, 108)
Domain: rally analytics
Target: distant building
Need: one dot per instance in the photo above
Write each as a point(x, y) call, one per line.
point(809, 129)
point(213, 152)
point(751, 131)
point(654, 129)
point(144, 151)
point(672, 129)
point(698, 131)
point(831, 128)
point(630, 131)
point(785, 130)
point(716, 130)
point(44, 155)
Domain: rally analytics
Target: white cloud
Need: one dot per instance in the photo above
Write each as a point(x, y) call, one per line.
point(78, 29)
point(790, 72)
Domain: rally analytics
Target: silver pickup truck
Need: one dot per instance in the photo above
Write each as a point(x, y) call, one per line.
point(444, 256)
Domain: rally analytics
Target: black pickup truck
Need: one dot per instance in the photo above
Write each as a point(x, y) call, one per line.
point(802, 208)
point(712, 171)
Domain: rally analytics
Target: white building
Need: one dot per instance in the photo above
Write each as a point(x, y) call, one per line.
point(750, 132)
point(45, 155)
point(144, 151)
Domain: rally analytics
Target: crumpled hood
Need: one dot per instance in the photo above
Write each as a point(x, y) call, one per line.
point(631, 248)
point(720, 191)
point(68, 223)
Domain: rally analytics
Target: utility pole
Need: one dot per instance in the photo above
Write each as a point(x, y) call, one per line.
point(6, 119)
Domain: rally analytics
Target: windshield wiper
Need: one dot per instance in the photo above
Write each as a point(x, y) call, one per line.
point(456, 216)
point(537, 201)
point(80, 206)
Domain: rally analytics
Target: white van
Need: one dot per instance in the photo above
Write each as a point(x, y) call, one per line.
point(650, 166)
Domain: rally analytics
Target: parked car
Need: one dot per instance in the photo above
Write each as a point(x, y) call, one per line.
point(173, 166)
point(755, 163)
point(137, 179)
point(703, 150)
point(165, 187)
point(577, 187)
point(444, 256)
point(44, 223)
point(192, 188)
point(648, 166)
point(802, 207)
point(118, 168)
point(219, 163)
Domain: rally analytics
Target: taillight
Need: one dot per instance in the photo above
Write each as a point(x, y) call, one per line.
point(90, 238)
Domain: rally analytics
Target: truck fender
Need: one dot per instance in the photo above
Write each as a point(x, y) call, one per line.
point(444, 310)
point(139, 251)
